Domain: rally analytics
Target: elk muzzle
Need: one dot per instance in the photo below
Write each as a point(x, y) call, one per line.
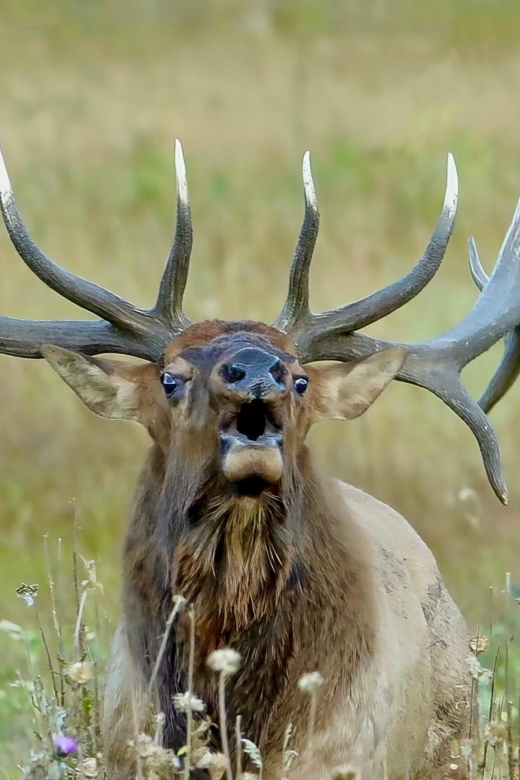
point(255, 382)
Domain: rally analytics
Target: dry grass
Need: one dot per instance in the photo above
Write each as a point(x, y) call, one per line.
point(91, 98)
point(61, 684)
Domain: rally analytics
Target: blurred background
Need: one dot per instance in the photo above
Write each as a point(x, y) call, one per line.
point(92, 96)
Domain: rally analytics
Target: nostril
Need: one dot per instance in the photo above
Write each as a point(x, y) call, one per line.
point(233, 372)
point(277, 370)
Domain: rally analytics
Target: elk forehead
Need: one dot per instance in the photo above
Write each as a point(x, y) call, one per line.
point(224, 348)
point(213, 337)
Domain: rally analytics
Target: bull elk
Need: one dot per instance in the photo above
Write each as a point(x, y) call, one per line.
point(294, 571)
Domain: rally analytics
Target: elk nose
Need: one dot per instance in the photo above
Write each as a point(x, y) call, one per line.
point(254, 371)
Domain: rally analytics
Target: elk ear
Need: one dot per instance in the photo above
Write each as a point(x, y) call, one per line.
point(108, 388)
point(344, 391)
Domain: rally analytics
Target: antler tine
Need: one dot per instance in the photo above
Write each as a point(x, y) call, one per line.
point(422, 367)
point(373, 307)
point(506, 373)
point(449, 388)
point(173, 282)
point(436, 365)
point(89, 296)
point(296, 306)
point(478, 274)
point(509, 367)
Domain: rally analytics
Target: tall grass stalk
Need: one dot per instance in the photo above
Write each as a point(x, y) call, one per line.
point(178, 604)
point(223, 722)
point(189, 714)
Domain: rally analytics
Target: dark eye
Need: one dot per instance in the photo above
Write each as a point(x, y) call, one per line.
point(169, 383)
point(301, 384)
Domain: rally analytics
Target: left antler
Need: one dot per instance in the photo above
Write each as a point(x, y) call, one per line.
point(435, 365)
point(123, 328)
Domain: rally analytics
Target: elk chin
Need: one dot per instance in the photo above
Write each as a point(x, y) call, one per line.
point(258, 460)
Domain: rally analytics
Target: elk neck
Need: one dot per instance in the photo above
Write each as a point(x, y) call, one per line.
point(232, 555)
point(265, 574)
point(233, 551)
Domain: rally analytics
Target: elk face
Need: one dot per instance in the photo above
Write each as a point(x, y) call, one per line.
point(232, 398)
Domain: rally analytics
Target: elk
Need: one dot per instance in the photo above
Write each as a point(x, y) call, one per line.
point(294, 571)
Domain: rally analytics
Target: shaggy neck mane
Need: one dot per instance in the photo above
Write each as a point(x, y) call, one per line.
point(241, 564)
point(254, 568)
point(234, 560)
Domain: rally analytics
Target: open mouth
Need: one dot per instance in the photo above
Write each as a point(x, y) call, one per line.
point(251, 444)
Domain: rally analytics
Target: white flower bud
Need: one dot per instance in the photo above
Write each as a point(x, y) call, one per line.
point(226, 661)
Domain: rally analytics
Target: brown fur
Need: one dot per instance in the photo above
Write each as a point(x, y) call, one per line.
point(255, 574)
point(305, 575)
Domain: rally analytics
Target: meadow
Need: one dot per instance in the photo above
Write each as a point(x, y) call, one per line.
point(92, 96)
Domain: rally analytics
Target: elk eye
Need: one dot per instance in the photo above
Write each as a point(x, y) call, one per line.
point(169, 383)
point(301, 384)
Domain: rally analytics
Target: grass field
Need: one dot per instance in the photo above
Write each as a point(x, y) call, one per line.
point(91, 99)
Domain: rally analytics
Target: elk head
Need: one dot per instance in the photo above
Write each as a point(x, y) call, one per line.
point(231, 400)
point(237, 399)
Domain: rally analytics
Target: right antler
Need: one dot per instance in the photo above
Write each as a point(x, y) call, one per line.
point(509, 367)
point(123, 328)
point(435, 365)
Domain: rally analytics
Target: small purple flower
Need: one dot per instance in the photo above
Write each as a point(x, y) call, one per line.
point(64, 745)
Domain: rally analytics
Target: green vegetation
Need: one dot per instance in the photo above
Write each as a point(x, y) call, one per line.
point(92, 96)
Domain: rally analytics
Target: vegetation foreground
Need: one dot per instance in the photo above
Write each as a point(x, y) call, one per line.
point(61, 684)
point(90, 105)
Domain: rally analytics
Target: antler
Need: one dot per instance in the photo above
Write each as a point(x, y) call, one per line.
point(435, 365)
point(123, 328)
point(296, 315)
point(173, 283)
point(296, 306)
point(509, 367)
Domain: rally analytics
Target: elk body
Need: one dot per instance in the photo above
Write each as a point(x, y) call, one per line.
point(294, 571)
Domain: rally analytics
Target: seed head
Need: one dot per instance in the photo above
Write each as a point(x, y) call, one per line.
point(310, 682)
point(226, 661)
point(476, 670)
point(81, 672)
point(179, 602)
point(215, 763)
point(496, 732)
point(155, 757)
point(90, 566)
point(28, 593)
point(185, 702)
point(478, 644)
